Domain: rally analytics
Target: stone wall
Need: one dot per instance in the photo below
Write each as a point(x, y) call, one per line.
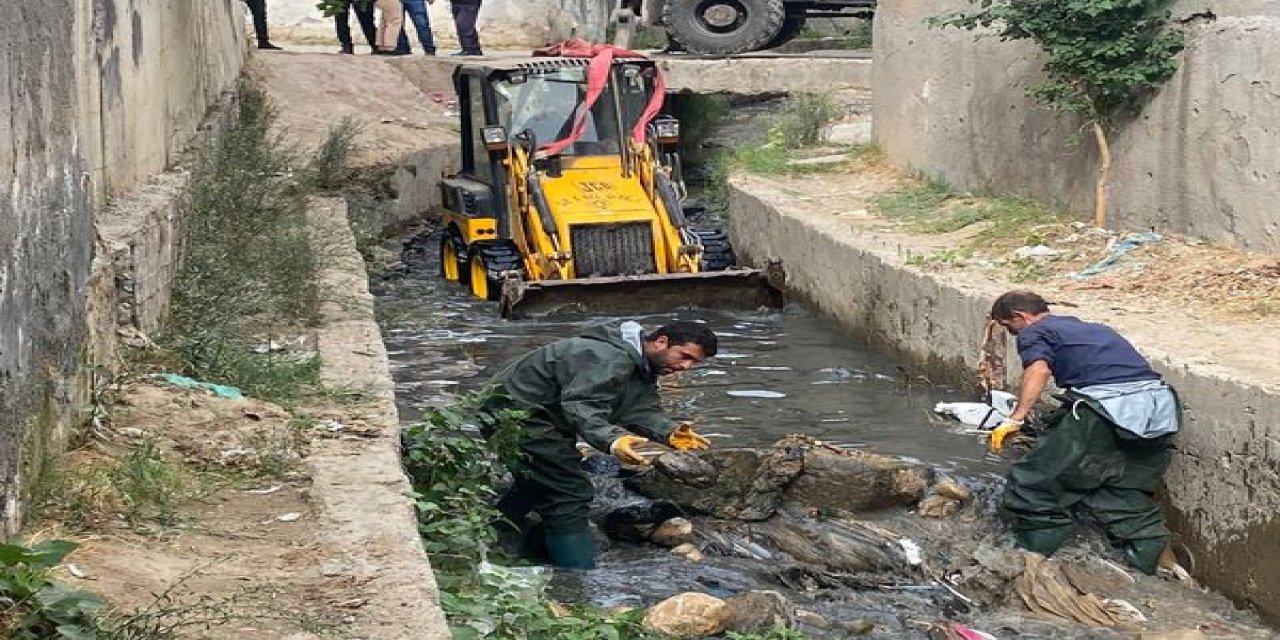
point(503, 24)
point(99, 94)
point(1203, 157)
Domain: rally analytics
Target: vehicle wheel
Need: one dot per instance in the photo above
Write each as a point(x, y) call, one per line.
point(791, 27)
point(723, 26)
point(453, 261)
point(717, 252)
point(486, 266)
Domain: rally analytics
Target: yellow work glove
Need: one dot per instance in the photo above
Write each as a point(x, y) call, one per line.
point(1002, 432)
point(684, 439)
point(621, 449)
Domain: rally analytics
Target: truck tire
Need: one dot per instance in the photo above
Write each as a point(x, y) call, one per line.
point(723, 26)
point(791, 27)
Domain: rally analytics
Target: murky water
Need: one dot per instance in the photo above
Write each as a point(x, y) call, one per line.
point(777, 373)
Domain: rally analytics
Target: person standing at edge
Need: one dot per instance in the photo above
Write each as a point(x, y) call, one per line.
point(598, 386)
point(389, 26)
point(417, 12)
point(364, 16)
point(464, 21)
point(1106, 446)
point(258, 8)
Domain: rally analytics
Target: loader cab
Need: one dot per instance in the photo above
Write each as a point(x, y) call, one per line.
point(539, 98)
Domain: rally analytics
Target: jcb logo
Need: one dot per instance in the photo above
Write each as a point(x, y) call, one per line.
point(594, 187)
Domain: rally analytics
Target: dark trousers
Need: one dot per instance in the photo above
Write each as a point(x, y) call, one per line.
point(364, 15)
point(416, 11)
point(259, 10)
point(1085, 459)
point(549, 480)
point(464, 18)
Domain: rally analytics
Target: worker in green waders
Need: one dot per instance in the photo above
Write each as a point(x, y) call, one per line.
point(1106, 446)
point(602, 387)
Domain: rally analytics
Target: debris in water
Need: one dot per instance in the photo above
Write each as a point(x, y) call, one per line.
point(911, 551)
point(289, 517)
point(770, 368)
point(262, 492)
point(756, 393)
point(77, 572)
point(980, 414)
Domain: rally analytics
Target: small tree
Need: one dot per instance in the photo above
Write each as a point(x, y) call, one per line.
point(1101, 58)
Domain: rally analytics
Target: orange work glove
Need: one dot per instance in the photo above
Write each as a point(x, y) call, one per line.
point(684, 439)
point(1003, 432)
point(621, 449)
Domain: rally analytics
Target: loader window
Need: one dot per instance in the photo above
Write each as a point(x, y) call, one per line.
point(546, 103)
point(482, 166)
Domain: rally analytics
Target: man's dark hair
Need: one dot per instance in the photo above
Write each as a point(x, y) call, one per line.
point(685, 333)
point(1014, 301)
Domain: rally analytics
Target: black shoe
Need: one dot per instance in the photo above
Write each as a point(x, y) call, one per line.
point(465, 52)
point(429, 52)
point(347, 51)
point(380, 52)
point(267, 46)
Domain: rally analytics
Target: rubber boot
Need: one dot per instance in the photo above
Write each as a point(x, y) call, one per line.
point(572, 549)
point(1144, 555)
point(1041, 541)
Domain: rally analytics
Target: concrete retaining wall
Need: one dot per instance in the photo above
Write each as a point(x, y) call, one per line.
point(99, 94)
point(503, 24)
point(1203, 157)
point(745, 75)
point(1223, 485)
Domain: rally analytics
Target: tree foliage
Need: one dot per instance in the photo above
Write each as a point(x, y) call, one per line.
point(1101, 57)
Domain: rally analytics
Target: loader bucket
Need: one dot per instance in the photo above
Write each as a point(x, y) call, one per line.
point(656, 293)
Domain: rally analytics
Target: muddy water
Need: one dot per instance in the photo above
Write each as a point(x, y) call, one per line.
point(777, 373)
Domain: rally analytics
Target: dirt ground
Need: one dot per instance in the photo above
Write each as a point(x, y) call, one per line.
point(1199, 301)
point(242, 548)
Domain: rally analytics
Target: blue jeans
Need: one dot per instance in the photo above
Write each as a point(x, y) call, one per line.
point(417, 12)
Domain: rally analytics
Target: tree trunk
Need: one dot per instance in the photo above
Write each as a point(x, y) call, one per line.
point(1104, 175)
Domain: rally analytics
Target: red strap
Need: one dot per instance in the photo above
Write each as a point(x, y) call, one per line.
point(602, 56)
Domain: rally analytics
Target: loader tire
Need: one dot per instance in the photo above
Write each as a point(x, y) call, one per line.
point(717, 252)
point(791, 27)
point(453, 257)
point(723, 26)
point(486, 265)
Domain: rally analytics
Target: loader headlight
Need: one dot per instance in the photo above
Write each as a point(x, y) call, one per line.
point(667, 130)
point(495, 137)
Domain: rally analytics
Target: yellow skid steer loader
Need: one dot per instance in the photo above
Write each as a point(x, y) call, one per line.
point(570, 194)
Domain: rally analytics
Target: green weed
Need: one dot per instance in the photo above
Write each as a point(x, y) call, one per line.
point(33, 606)
point(329, 169)
point(931, 207)
point(804, 117)
point(140, 488)
point(249, 265)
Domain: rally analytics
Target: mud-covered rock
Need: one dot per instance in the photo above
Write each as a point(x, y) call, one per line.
point(797, 471)
point(672, 533)
point(757, 611)
point(687, 615)
point(949, 488)
point(937, 506)
point(690, 552)
point(855, 481)
point(837, 545)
